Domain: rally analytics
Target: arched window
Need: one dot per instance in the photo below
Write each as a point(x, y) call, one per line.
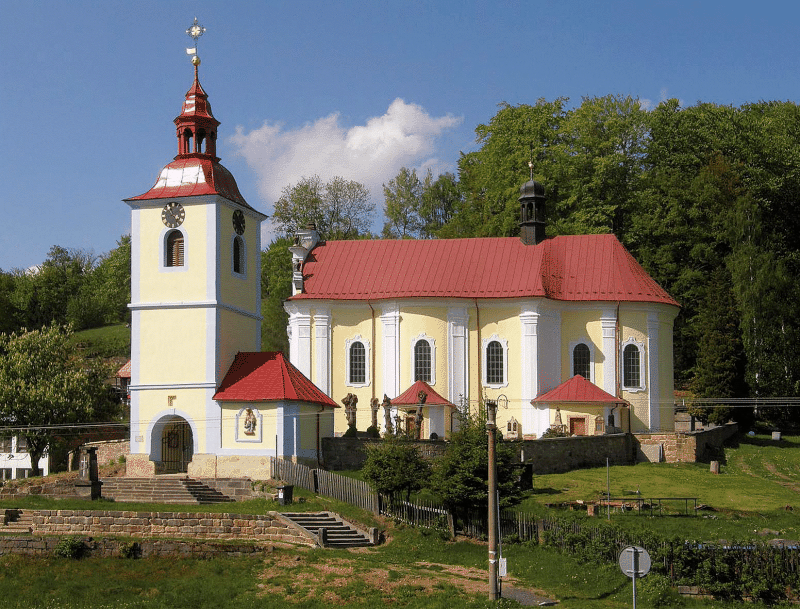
point(238, 255)
point(358, 364)
point(494, 363)
point(422, 361)
point(581, 361)
point(631, 367)
point(174, 249)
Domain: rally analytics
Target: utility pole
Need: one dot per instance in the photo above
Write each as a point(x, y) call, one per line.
point(491, 427)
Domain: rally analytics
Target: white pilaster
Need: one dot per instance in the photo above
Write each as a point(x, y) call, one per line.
point(458, 355)
point(652, 382)
point(322, 349)
point(608, 321)
point(535, 419)
point(300, 338)
point(390, 320)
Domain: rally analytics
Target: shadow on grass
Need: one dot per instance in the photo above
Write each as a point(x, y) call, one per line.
point(769, 442)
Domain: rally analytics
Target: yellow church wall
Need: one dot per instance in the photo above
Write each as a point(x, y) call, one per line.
point(238, 290)
point(176, 284)
point(633, 324)
point(346, 324)
point(432, 323)
point(576, 326)
point(503, 322)
point(187, 403)
point(587, 412)
point(165, 364)
point(238, 333)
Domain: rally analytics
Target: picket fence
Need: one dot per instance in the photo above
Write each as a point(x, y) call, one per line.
point(520, 526)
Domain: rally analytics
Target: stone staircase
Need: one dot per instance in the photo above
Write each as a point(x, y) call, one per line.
point(17, 522)
point(330, 531)
point(161, 489)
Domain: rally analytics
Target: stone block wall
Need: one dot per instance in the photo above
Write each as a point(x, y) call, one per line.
point(198, 525)
point(114, 548)
point(350, 453)
point(54, 488)
point(558, 455)
point(685, 447)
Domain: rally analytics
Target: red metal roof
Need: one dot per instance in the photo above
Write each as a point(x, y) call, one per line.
point(125, 371)
point(188, 177)
point(265, 377)
point(573, 268)
point(410, 397)
point(578, 389)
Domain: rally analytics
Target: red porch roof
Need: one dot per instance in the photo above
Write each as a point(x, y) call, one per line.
point(573, 268)
point(578, 389)
point(125, 371)
point(265, 377)
point(410, 397)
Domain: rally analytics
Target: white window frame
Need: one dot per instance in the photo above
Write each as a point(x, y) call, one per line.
point(432, 344)
point(642, 365)
point(592, 360)
point(174, 269)
point(243, 274)
point(485, 362)
point(367, 367)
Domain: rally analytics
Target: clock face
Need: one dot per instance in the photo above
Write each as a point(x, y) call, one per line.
point(173, 214)
point(238, 221)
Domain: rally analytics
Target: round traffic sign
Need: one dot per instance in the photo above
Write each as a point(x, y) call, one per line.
point(634, 561)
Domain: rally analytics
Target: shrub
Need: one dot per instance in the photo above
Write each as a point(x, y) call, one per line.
point(70, 547)
point(373, 432)
point(130, 549)
point(350, 433)
point(395, 466)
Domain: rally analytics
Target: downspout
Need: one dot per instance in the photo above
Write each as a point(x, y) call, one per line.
point(319, 454)
point(478, 349)
point(372, 350)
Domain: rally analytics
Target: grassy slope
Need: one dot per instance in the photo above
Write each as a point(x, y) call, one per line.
point(105, 342)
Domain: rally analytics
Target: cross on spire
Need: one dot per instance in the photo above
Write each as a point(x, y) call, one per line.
point(195, 30)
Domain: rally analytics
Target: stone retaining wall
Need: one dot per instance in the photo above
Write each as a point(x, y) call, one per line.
point(685, 447)
point(198, 525)
point(114, 548)
point(559, 455)
point(350, 453)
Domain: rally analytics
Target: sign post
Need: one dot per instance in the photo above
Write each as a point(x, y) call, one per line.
point(635, 563)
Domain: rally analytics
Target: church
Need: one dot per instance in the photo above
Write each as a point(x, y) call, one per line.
point(204, 399)
point(510, 319)
point(567, 332)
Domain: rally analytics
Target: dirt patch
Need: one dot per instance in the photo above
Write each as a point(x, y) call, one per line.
point(784, 480)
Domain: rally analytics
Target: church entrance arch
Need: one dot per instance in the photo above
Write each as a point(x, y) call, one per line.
point(173, 439)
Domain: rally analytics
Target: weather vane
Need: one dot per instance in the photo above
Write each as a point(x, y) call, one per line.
point(194, 31)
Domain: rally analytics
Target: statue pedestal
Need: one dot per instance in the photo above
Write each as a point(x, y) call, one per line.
point(88, 489)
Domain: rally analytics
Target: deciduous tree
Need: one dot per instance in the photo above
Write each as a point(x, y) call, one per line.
point(44, 384)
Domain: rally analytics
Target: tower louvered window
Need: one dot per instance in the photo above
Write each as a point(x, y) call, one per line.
point(175, 255)
point(581, 361)
point(422, 361)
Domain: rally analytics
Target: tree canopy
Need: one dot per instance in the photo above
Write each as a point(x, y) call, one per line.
point(340, 208)
point(43, 384)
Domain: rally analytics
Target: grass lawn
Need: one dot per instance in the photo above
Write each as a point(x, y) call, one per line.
point(418, 568)
point(107, 341)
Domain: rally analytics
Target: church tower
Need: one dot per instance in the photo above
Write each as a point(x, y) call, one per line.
point(195, 295)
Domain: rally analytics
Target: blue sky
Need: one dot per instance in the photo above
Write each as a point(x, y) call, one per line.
point(88, 90)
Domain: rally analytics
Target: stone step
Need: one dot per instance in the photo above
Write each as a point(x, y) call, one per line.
point(338, 533)
point(16, 521)
point(161, 490)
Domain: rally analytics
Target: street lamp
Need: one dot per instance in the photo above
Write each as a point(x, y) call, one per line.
point(491, 429)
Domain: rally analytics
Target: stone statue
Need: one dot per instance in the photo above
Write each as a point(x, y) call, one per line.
point(350, 401)
point(250, 422)
point(387, 414)
point(373, 405)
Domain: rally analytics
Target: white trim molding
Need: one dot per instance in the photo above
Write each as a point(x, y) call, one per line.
point(458, 354)
point(485, 360)
point(642, 367)
point(432, 344)
point(592, 359)
point(322, 349)
point(390, 320)
point(367, 355)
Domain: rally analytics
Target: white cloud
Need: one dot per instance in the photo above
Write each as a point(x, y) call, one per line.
point(371, 154)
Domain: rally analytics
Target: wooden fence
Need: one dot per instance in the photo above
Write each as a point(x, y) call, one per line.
point(419, 513)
